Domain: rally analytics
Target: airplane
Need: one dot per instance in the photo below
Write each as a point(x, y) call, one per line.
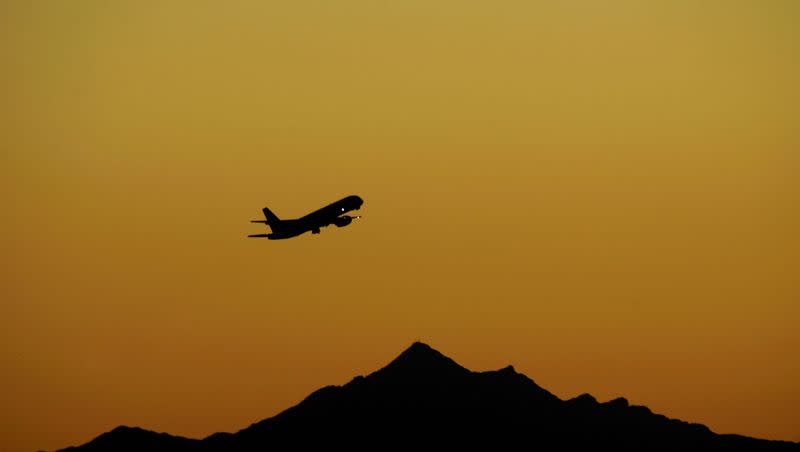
point(330, 214)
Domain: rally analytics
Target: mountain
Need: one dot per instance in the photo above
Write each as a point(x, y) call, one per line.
point(425, 400)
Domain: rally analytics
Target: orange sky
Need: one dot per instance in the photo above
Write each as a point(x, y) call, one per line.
point(603, 194)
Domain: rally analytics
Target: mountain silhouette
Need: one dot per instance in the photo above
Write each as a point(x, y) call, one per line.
point(425, 400)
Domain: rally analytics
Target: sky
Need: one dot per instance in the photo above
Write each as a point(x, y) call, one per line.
point(603, 194)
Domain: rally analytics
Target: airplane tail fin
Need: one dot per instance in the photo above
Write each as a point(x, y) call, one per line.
point(259, 235)
point(272, 219)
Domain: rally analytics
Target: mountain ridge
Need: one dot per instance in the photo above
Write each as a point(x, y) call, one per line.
point(423, 398)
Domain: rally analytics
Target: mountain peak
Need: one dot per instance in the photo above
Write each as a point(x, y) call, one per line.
point(420, 349)
point(422, 360)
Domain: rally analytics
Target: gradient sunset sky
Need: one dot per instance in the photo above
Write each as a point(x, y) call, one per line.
point(602, 193)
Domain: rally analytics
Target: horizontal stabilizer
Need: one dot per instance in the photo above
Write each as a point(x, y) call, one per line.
point(259, 235)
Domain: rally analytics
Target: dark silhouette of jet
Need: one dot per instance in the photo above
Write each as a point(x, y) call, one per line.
point(330, 214)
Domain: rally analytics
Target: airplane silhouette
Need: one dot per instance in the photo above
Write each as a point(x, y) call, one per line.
point(330, 214)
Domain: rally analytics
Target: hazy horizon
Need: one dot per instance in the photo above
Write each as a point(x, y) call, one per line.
point(603, 195)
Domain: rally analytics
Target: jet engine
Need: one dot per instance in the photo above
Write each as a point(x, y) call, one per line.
point(343, 221)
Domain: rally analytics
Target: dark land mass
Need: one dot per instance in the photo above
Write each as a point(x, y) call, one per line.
point(424, 400)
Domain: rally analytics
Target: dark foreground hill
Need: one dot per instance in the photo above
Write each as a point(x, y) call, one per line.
point(424, 400)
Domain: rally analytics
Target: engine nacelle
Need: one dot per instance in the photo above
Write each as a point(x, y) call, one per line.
point(343, 221)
